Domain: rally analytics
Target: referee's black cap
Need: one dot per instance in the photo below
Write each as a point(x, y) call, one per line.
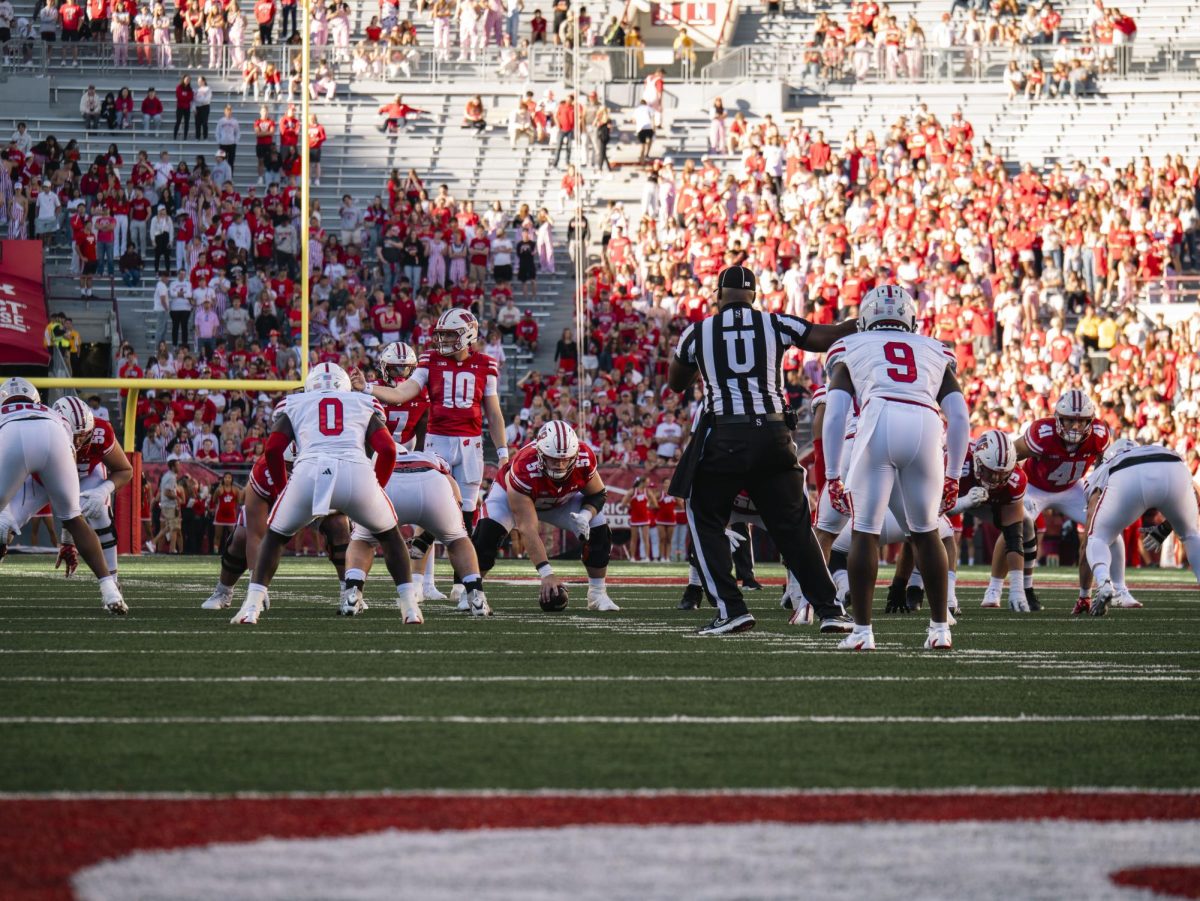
point(736, 277)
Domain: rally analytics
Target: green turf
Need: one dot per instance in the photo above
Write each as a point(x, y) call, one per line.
point(61, 657)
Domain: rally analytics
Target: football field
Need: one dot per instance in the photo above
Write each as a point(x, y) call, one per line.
point(173, 702)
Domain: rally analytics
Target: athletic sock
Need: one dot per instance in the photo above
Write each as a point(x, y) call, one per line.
point(428, 574)
point(915, 580)
point(1027, 580)
point(1099, 573)
point(693, 576)
point(472, 582)
point(405, 592)
point(113, 579)
point(355, 578)
point(598, 584)
point(951, 584)
point(995, 584)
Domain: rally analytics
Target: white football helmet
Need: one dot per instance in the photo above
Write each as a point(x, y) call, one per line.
point(1073, 415)
point(1118, 447)
point(397, 362)
point(456, 329)
point(79, 416)
point(19, 387)
point(327, 377)
point(887, 306)
point(993, 458)
point(557, 449)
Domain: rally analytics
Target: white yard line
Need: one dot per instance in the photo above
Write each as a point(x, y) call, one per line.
point(472, 679)
point(673, 720)
point(971, 655)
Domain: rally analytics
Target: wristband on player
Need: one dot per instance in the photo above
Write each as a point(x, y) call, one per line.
point(502, 454)
point(369, 389)
point(545, 569)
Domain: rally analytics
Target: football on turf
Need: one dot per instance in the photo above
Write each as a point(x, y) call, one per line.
point(557, 601)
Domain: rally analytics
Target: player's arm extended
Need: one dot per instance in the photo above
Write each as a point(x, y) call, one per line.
point(958, 420)
point(419, 432)
point(822, 337)
point(1023, 450)
point(526, 519)
point(120, 470)
point(495, 418)
point(680, 375)
point(395, 394)
point(838, 398)
point(380, 440)
point(277, 442)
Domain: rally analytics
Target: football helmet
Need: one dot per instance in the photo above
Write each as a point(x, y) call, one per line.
point(1118, 447)
point(456, 330)
point(887, 306)
point(19, 387)
point(327, 377)
point(79, 416)
point(397, 362)
point(557, 449)
point(1073, 415)
point(993, 458)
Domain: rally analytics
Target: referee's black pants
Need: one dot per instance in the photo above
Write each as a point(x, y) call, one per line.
point(762, 461)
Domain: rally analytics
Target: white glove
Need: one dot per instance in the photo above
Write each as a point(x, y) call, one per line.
point(583, 525)
point(735, 539)
point(977, 496)
point(94, 501)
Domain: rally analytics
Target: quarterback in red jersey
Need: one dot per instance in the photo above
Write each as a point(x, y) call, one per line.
point(241, 550)
point(1057, 454)
point(103, 468)
point(553, 479)
point(462, 385)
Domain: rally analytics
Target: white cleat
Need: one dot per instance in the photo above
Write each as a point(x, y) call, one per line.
point(418, 592)
point(252, 608)
point(149, 546)
point(1102, 596)
point(858, 641)
point(802, 615)
point(951, 619)
point(599, 600)
point(458, 597)
point(221, 598)
point(1017, 602)
point(1125, 600)
point(477, 603)
point(991, 598)
point(110, 598)
point(431, 593)
point(352, 603)
point(411, 611)
point(938, 638)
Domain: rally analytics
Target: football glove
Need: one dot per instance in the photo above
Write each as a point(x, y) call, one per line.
point(976, 497)
point(67, 554)
point(839, 497)
point(897, 599)
point(583, 525)
point(949, 493)
point(735, 540)
point(1154, 536)
point(94, 501)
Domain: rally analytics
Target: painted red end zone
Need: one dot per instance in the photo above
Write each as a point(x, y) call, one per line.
point(43, 842)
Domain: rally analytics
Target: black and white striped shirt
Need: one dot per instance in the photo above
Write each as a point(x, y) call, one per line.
point(739, 352)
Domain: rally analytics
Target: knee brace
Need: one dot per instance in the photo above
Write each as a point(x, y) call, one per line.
point(597, 550)
point(107, 535)
point(423, 542)
point(337, 553)
point(488, 537)
point(1013, 542)
point(469, 521)
point(233, 563)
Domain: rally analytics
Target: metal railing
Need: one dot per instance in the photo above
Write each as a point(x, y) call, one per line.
point(827, 68)
point(35, 57)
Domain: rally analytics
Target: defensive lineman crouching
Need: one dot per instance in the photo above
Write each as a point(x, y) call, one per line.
point(552, 479)
point(424, 494)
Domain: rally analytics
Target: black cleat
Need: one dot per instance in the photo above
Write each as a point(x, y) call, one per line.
point(691, 598)
point(914, 597)
point(1032, 599)
point(729, 626)
point(751, 584)
point(843, 623)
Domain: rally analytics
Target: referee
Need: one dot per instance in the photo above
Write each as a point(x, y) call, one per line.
point(744, 442)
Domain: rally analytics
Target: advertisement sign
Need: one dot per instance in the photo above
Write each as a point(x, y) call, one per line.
point(689, 14)
point(23, 314)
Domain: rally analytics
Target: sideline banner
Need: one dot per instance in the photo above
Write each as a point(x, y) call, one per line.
point(23, 313)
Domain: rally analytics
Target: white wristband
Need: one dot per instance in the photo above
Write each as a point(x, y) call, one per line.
point(545, 570)
point(502, 454)
point(369, 389)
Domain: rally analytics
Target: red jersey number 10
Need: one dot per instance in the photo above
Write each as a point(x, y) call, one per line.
point(329, 416)
point(458, 390)
point(905, 363)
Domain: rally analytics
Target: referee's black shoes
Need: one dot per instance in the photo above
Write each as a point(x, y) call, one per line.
point(728, 626)
point(692, 596)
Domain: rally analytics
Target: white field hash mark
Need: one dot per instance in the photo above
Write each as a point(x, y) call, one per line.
point(674, 720)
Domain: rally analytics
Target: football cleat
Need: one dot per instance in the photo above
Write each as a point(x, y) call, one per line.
point(953, 607)
point(252, 608)
point(802, 615)
point(352, 603)
point(110, 598)
point(751, 584)
point(1083, 605)
point(221, 598)
point(858, 641)
point(841, 622)
point(914, 596)
point(692, 596)
point(1017, 602)
point(418, 589)
point(1125, 600)
point(991, 598)
point(431, 592)
point(1031, 599)
point(937, 638)
point(728, 625)
point(786, 601)
point(477, 603)
point(458, 597)
point(598, 599)
point(411, 611)
point(1102, 596)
